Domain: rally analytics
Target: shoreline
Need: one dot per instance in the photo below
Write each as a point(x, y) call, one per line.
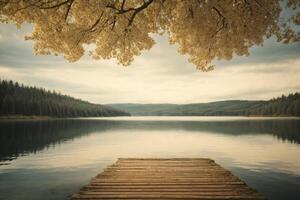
point(40, 118)
point(25, 118)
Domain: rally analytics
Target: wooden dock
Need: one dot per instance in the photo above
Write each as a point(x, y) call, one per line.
point(180, 178)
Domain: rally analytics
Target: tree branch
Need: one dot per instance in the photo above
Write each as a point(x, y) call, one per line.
point(91, 29)
point(55, 6)
point(123, 4)
point(223, 21)
point(139, 9)
point(68, 9)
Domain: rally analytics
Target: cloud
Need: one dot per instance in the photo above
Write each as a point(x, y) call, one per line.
point(160, 75)
point(270, 52)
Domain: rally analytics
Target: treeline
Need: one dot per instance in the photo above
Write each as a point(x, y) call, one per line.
point(219, 108)
point(281, 106)
point(16, 99)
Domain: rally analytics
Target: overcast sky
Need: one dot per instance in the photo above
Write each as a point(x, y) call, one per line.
point(160, 75)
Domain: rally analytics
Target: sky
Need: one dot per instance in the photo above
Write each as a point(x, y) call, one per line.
point(159, 75)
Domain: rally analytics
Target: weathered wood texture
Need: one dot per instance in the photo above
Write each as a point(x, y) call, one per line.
point(180, 178)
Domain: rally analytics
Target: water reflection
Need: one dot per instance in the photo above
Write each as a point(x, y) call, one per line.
point(65, 154)
point(20, 138)
point(275, 185)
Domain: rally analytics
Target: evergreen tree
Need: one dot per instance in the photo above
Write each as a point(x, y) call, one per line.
point(16, 99)
point(281, 106)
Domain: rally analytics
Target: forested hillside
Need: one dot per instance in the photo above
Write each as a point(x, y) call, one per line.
point(220, 108)
point(283, 106)
point(16, 99)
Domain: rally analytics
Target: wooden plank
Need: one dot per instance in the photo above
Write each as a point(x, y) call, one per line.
point(171, 178)
point(163, 159)
point(168, 184)
point(161, 196)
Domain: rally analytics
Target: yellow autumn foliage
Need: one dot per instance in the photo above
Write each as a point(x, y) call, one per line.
point(203, 29)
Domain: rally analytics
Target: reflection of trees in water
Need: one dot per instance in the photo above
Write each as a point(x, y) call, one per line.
point(285, 130)
point(19, 138)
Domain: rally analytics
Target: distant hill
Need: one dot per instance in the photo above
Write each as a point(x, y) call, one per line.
point(204, 109)
point(285, 105)
point(16, 99)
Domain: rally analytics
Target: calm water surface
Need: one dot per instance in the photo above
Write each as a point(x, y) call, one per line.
point(55, 158)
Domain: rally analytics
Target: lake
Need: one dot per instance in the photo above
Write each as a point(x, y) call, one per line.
point(52, 159)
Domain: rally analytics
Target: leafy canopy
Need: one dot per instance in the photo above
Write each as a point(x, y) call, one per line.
point(203, 29)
